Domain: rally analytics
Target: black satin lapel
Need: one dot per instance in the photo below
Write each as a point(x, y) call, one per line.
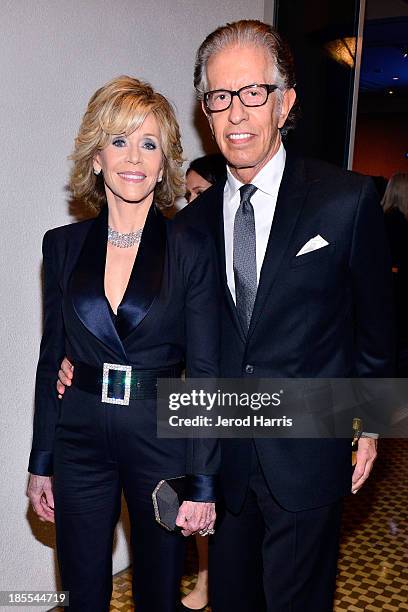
point(87, 286)
point(146, 277)
point(218, 231)
point(291, 197)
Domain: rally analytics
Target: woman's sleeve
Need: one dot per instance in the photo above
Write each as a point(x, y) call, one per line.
point(52, 350)
point(202, 359)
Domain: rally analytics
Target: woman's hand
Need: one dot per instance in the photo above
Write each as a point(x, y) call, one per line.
point(196, 516)
point(39, 491)
point(65, 376)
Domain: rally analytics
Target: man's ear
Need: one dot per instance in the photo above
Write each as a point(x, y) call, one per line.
point(208, 115)
point(289, 98)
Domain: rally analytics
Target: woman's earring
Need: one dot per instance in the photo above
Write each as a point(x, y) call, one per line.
point(97, 172)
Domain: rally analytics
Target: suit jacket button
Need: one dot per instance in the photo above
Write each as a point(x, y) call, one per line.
point(249, 369)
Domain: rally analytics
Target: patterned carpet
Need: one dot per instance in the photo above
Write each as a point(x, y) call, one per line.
point(373, 568)
point(373, 565)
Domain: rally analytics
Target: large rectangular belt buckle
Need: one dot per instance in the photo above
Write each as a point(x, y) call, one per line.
point(105, 383)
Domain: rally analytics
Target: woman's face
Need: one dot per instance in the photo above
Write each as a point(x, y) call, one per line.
point(195, 184)
point(132, 165)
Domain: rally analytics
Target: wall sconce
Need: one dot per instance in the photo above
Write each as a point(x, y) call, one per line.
point(342, 50)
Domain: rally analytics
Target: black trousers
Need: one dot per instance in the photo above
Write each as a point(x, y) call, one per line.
point(100, 451)
point(269, 559)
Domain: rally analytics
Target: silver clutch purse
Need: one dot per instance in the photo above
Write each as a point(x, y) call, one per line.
point(167, 497)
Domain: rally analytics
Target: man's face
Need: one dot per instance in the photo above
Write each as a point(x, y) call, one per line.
point(248, 137)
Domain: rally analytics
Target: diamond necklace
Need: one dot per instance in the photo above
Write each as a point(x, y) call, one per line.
point(124, 241)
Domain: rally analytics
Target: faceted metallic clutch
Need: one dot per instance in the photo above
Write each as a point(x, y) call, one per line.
point(167, 499)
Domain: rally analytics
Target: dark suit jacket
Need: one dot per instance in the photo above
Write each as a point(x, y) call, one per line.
point(327, 313)
point(169, 314)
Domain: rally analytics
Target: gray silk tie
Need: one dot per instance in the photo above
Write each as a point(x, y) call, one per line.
point(244, 257)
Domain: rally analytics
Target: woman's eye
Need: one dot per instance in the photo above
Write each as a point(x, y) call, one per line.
point(119, 142)
point(150, 145)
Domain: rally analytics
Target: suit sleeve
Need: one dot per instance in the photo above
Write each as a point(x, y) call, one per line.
point(370, 264)
point(202, 360)
point(52, 350)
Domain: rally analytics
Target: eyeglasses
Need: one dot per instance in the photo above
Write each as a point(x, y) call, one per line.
point(250, 95)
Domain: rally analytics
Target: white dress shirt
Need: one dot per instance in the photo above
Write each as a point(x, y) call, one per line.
point(267, 181)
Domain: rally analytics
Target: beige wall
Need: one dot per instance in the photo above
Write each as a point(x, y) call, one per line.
point(53, 55)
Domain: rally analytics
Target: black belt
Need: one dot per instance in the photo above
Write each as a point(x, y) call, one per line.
point(118, 384)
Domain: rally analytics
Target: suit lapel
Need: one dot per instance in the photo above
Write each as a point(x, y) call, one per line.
point(291, 197)
point(88, 281)
point(146, 277)
point(87, 286)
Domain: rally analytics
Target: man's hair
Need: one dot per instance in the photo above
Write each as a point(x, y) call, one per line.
point(396, 194)
point(249, 33)
point(120, 107)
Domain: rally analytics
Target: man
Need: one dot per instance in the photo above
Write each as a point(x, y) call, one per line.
point(307, 293)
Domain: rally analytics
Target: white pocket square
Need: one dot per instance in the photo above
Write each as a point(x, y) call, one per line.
point(312, 245)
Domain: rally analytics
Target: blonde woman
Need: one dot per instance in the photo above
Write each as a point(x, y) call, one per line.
point(129, 299)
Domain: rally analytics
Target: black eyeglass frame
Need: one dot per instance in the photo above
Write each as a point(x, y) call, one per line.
point(268, 86)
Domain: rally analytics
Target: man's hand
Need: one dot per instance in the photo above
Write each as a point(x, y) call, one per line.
point(39, 491)
point(196, 516)
point(65, 376)
point(366, 455)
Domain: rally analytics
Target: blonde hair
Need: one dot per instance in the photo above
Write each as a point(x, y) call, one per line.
point(396, 194)
point(120, 107)
point(250, 33)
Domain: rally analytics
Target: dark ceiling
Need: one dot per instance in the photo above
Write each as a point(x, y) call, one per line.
point(385, 42)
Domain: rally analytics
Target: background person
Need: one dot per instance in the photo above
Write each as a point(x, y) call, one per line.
point(124, 292)
point(202, 173)
point(395, 206)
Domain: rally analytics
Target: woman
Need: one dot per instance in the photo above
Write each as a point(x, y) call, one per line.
point(395, 206)
point(128, 299)
point(202, 173)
